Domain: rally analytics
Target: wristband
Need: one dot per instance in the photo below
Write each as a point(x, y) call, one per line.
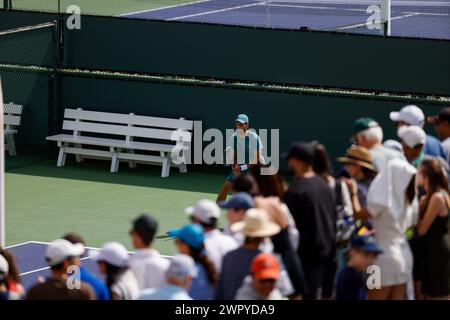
point(244, 167)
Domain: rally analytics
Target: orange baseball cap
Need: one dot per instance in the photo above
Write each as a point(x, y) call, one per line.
point(265, 266)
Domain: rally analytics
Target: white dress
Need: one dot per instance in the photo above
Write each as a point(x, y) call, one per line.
point(392, 215)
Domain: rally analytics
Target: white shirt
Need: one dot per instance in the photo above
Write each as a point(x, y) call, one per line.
point(446, 147)
point(126, 286)
point(217, 245)
point(149, 267)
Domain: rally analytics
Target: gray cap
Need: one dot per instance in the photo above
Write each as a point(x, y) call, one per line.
point(181, 266)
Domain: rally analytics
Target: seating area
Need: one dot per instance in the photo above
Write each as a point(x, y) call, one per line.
point(13, 115)
point(124, 137)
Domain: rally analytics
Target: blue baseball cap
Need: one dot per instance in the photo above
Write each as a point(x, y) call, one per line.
point(366, 244)
point(240, 200)
point(242, 118)
point(192, 234)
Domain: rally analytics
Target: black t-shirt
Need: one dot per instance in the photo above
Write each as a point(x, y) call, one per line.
point(312, 204)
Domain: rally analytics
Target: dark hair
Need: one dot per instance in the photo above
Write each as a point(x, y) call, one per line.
point(270, 184)
point(245, 183)
point(58, 266)
point(368, 174)
point(199, 256)
point(212, 223)
point(74, 238)
point(436, 178)
point(411, 189)
point(321, 161)
point(13, 273)
point(112, 273)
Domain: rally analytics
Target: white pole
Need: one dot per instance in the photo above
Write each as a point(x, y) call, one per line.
point(2, 171)
point(386, 16)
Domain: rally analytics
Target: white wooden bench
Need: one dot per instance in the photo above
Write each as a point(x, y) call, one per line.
point(124, 137)
point(13, 114)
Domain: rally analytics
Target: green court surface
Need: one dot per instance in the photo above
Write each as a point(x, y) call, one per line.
point(97, 7)
point(43, 202)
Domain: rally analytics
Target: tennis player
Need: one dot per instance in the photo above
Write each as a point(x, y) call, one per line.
point(244, 148)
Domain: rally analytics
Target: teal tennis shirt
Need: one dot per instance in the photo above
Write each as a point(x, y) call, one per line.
point(245, 147)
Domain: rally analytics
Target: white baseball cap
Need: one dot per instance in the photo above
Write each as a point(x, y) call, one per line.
point(410, 114)
point(181, 266)
point(412, 135)
point(113, 253)
point(59, 250)
point(204, 210)
point(4, 267)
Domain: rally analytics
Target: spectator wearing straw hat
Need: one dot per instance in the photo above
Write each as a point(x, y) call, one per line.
point(441, 124)
point(217, 245)
point(369, 134)
point(113, 261)
point(261, 283)
point(256, 227)
point(413, 140)
point(147, 264)
point(359, 166)
point(179, 277)
point(58, 255)
point(190, 240)
point(412, 115)
point(99, 286)
point(312, 204)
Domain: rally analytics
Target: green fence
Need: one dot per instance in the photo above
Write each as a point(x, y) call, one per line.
point(225, 62)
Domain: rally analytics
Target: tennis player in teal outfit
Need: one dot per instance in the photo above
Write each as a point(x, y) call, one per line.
point(244, 147)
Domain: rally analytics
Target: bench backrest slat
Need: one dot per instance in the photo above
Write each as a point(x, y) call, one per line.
point(12, 108)
point(11, 120)
point(117, 129)
point(166, 123)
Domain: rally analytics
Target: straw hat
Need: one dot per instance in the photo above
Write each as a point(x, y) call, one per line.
point(360, 156)
point(256, 224)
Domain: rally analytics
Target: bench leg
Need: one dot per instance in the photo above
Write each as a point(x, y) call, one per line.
point(131, 163)
point(78, 157)
point(165, 165)
point(183, 168)
point(114, 161)
point(61, 157)
point(11, 145)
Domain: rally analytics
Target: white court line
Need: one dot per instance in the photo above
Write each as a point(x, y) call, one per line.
point(366, 2)
point(269, 4)
point(313, 7)
point(364, 24)
point(45, 268)
point(18, 245)
point(162, 8)
point(216, 11)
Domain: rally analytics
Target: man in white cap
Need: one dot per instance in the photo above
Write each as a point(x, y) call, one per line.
point(412, 115)
point(413, 140)
point(217, 245)
point(256, 227)
point(178, 280)
point(59, 286)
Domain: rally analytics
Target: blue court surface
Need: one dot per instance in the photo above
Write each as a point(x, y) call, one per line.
point(31, 259)
point(412, 18)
